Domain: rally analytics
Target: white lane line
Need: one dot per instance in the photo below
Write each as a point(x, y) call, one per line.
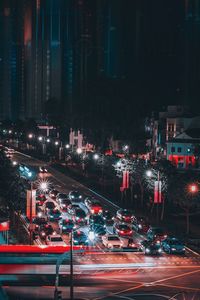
point(194, 252)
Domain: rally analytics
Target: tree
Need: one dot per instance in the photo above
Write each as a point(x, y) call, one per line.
point(184, 197)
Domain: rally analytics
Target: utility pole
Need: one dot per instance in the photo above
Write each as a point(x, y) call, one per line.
point(71, 268)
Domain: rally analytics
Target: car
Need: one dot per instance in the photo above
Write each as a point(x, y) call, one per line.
point(38, 221)
point(40, 199)
point(55, 240)
point(94, 206)
point(49, 205)
point(156, 234)
point(64, 204)
point(122, 229)
point(97, 220)
point(53, 193)
point(112, 241)
point(173, 245)
point(131, 244)
point(125, 215)
point(79, 217)
point(151, 247)
point(141, 225)
point(98, 229)
point(72, 208)
point(66, 225)
point(43, 169)
point(61, 196)
point(108, 217)
point(75, 196)
point(54, 215)
point(45, 230)
point(80, 238)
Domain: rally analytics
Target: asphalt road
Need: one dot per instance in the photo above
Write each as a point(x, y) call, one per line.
point(112, 275)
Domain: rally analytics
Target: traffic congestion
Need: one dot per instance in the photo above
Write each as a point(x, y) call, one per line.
point(60, 214)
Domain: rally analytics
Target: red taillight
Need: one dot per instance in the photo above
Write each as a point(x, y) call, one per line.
point(122, 231)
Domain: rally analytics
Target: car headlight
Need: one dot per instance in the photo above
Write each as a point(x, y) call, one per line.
point(140, 226)
point(159, 250)
point(43, 233)
point(75, 241)
point(147, 250)
point(173, 249)
point(72, 197)
point(104, 226)
point(64, 227)
point(80, 196)
point(64, 205)
point(183, 248)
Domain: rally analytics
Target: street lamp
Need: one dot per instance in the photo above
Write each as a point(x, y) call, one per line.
point(40, 138)
point(67, 146)
point(193, 188)
point(30, 136)
point(79, 150)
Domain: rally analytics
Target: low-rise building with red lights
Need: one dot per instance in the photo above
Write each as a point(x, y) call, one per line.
point(184, 150)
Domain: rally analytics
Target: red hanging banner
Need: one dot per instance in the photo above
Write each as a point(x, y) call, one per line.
point(157, 192)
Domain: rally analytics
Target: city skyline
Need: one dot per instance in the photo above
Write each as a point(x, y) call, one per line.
point(79, 60)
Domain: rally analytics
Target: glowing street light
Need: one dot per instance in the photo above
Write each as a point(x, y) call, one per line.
point(79, 150)
point(149, 173)
point(193, 188)
point(56, 143)
point(30, 136)
point(96, 156)
point(14, 163)
point(40, 138)
point(43, 185)
point(67, 146)
point(48, 140)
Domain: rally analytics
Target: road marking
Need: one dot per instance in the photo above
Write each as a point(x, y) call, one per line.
point(123, 291)
point(194, 252)
point(177, 276)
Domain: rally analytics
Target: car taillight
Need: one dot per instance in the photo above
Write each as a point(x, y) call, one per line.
point(131, 231)
point(121, 231)
point(92, 211)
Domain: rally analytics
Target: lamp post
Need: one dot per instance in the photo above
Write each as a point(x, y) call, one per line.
point(101, 159)
point(71, 267)
point(157, 190)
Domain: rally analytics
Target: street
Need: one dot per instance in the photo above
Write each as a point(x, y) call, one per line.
point(107, 275)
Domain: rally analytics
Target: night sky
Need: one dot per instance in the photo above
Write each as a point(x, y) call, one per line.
point(98, 61)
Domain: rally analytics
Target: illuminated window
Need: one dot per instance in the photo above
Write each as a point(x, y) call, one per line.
point(179, 149)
